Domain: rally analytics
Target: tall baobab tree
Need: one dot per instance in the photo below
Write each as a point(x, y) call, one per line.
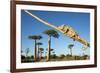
point(50, 33)
point(38, 46)
point(35, 38)
point(70, 46)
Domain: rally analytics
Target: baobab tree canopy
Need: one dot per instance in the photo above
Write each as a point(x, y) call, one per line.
point(51, 32)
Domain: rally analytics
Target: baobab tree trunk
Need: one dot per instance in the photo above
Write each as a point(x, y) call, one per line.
point(49, 47)
point(71, 52)
point(35, 52)
point(38, 52)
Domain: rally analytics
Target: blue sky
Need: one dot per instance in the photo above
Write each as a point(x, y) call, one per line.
point(79, 21)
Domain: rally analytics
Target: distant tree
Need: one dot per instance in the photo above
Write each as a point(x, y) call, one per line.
point(70, 46)
point(32, 57)
point(41, 51)
point(27, 51)
point(68, 55)
point(62, 56)
point(53, 52)
point(21, 51)
point(85, 57)
point(22, 57)
point(54, 56)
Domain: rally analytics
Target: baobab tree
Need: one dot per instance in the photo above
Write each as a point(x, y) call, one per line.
point(27, 51)
point(38, 46)
point(50, 33)
point(70, 46)
point(35, 38)
point(41, 51)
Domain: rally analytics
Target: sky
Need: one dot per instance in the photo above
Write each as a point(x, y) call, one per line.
point(79, 21)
